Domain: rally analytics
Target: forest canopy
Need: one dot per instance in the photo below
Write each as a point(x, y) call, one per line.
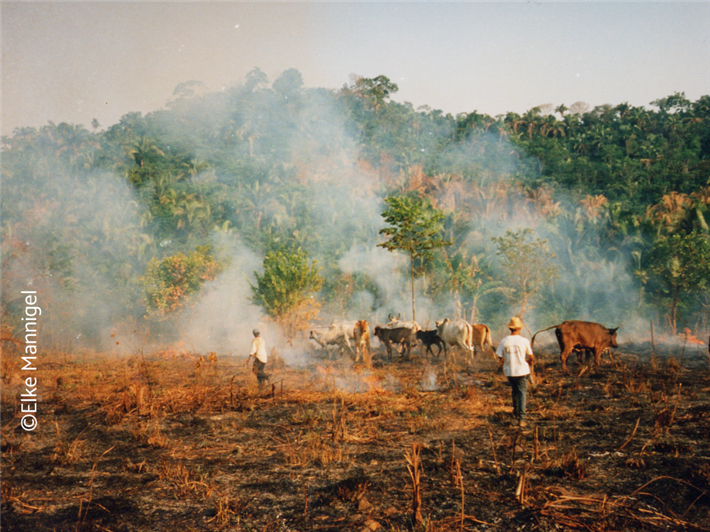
point(100, 221)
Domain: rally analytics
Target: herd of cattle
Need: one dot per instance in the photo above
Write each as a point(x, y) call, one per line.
point(581, 337)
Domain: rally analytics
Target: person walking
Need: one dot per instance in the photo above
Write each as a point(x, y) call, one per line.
point(258, 351)
point(515, 352)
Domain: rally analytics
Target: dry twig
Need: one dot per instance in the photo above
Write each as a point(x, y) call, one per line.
point(414, 466)
point(630, 437)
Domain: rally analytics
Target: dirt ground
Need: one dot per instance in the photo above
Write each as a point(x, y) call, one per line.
point(183, 442)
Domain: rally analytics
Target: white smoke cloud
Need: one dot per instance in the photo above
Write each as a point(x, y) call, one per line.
point(81, 244)
point(224, 317)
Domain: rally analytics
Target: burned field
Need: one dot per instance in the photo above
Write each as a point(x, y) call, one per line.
point(182, 442)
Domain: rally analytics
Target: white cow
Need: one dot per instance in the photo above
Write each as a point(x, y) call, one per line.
point(347, 328)
point(396, 323)
point(458, 334)
point(333, 336)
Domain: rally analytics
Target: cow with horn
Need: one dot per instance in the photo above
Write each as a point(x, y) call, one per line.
point(574, 335)
point(396, 322)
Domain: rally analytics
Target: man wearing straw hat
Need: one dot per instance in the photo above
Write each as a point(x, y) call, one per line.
point(515, 352)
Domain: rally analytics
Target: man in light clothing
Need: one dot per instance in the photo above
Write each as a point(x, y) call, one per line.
point(514, 352)
point(258, 351)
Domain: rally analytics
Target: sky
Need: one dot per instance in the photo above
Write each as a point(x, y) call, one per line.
point(79, 61)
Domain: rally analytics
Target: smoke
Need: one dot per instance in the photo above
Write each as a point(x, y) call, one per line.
point(323, 174)
point(493, 200)
point(78, 246)
point(429, 379)
point(223, 318)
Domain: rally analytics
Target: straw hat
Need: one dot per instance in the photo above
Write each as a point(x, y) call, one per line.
point(515, 323)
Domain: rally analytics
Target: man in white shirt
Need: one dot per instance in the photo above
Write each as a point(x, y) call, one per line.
point(514, 352)
point(258, 351)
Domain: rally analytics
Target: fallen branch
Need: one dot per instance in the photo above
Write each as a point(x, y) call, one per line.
point(594, 508)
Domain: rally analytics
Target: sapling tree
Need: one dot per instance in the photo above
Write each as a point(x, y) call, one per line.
point(286, 289)
point(171, 283)
point(415, 228)
point(678, 267)
point(527, 264)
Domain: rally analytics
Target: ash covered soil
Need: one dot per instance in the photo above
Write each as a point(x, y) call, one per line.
point(179, 443)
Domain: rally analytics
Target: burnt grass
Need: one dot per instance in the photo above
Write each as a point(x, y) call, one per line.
point(185, 443)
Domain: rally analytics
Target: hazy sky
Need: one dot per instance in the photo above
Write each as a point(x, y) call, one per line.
point(76, 61)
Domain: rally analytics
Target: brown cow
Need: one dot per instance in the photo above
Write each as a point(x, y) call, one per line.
point(585, 355)
point(396, 336)
point(361, 335)
point(582, 335)
point(482, 336)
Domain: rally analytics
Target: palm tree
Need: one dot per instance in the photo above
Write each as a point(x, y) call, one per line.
point(142, 148)
point(531, 119)
point(701, 202)
point(514, 120)
point(592, 206)
point(250, 132)
point(670, 213)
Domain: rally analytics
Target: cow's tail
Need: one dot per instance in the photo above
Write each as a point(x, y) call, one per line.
point(488, 339)
point(469, 337)
point(532, 342)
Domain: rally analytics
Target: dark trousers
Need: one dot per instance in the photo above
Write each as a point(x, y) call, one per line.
point(258, 369)
point(519, 388)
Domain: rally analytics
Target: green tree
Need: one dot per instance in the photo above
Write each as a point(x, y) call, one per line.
point(678, 267)
point(287, 287)
point(289, 84)
point(527, 265)
point(171, 283)
point(375, 90)
point(415, 228)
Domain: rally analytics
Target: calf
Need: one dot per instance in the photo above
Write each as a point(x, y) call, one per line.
point(429, 338)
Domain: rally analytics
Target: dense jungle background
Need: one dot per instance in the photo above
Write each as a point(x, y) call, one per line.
point(166, 221)
point(155, 246)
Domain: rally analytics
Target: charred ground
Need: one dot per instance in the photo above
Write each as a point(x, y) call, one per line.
point(181, 442)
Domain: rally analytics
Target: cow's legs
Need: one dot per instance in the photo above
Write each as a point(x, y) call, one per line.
point(469, 352)
point(566, 351)
point(597, 357)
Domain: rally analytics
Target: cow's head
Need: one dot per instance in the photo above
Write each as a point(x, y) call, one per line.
point(612, 337)
point(441, 323)
point(377, 331)
point(312, 335)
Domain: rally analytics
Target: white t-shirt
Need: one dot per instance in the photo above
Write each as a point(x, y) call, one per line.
point(513, 349)
point(258, 348)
